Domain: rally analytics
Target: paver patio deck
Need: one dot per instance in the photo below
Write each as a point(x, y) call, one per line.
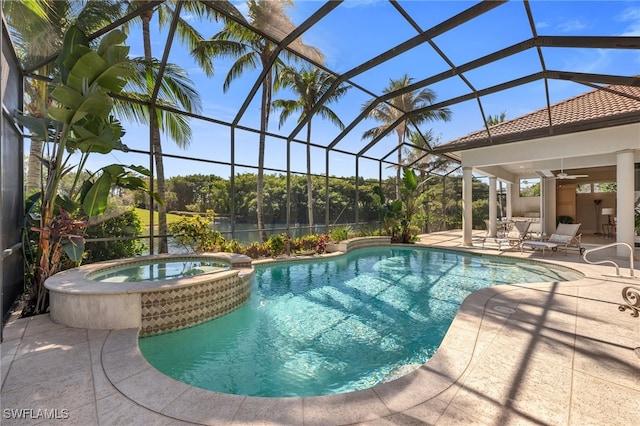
point(546, 353)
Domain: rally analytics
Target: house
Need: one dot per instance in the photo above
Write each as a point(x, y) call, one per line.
point(576, 150)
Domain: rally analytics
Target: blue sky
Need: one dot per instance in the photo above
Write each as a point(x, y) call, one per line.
point(359, 30)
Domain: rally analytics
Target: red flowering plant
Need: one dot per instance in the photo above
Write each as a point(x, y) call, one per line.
point(321, 245)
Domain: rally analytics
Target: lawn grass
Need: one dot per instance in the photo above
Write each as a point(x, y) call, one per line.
point(145, 217)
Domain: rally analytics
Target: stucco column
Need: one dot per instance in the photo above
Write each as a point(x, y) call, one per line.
point(624, 200)
point(544, 201)
point(467, 206)
point(493, 206)
point(509, 206)
point(548, 209)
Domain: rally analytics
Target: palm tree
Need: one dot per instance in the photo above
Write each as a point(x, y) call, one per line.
point(177, 92)
point(251, 51)
point(37, 28)
point(390, 111)
point(417, 156)
point(492, 120)
point(173, 125)
point(310, 84)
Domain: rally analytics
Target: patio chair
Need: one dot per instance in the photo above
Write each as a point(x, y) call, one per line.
point(566, 237)
point(513, 238)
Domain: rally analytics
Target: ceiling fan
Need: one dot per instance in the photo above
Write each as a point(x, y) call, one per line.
point(563, 175)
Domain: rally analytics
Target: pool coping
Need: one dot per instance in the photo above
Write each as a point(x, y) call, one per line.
point(128, 371)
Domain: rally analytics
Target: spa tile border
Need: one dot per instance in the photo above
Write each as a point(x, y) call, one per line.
point(181, 307)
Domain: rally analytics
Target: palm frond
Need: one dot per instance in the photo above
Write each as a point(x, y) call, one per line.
point(310, 84)
point(175, 126)
point(373, 132)
point(404, 103)
point(288, 107)
point(95, 15)
point(247, 61)
point(221, 48)
point(331, 116)
point(132, 111)
point(175, 87)
point(191, 38)
point(200, 10)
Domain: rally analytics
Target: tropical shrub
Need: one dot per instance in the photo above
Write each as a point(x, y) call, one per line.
point(396, 215)
point(321, 245)
point(304, 243)
point(232, 246)
point(196, 233)
point(480, 209)
point(125, 226)
point(276, 244)
point(340, 233)
point(256, 250)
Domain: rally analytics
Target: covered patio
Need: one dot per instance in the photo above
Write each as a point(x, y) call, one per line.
point(570, 150)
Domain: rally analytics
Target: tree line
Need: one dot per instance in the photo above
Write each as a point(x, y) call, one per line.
point(440, 202)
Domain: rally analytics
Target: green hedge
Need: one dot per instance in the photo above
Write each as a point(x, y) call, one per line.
point(126, 224)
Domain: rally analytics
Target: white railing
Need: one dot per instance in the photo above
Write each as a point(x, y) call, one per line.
point(611, 262)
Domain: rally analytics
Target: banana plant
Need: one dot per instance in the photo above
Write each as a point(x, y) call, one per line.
point(76, 124)
point(390, 212)
point(396, 215)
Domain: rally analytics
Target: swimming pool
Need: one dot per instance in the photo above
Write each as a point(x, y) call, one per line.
point(335, 325)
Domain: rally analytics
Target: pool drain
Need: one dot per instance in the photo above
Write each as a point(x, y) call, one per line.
point(504, 309)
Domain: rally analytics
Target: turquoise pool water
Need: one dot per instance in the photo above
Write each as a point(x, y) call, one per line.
point(333, 326)
point(157, 270)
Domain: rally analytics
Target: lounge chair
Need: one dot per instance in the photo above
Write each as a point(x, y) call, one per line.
point(513, 238)
point(487, 226)
point(566, 237)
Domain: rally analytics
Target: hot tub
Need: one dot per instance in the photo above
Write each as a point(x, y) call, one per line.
point(175, 292)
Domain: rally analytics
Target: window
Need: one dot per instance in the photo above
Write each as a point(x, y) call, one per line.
point(605, 187)
point(583, 188)
point(530, 187)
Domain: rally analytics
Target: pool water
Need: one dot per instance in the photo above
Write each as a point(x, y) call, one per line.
point(335, 325)
point(157, 270)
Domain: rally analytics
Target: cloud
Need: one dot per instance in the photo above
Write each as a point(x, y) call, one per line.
point(594, 61)
point(631, 17)
point(542, 25)
point(630, 14)
point(220, 111)
point(571, 26)
point(359, 3)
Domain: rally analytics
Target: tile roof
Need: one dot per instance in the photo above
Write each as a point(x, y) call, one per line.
point(598, 108)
